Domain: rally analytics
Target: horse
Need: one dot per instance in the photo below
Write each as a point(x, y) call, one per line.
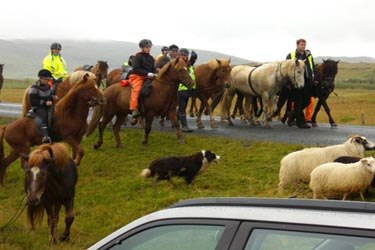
point(60, 89)
point(325, 76)
point(100, 70)
point(1, 77)
point(69, 125)
point(114, 76)
point(265, 81)
point(161, 101)
point(50, 179)
point(210, 79)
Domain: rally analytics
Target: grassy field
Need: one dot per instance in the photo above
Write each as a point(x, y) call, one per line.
point(110, 192)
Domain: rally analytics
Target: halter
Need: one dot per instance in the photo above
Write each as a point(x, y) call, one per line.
point(249, 81)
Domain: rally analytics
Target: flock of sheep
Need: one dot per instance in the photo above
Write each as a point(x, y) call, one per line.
point(331, 171)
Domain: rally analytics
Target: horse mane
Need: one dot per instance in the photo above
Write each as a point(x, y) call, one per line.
point(216, 63)
point(78, 75)
point(177, 63)
point(86, 81)
point(57, 151)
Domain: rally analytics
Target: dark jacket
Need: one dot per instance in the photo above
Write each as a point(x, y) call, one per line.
point(39, 95)
point(143, 64)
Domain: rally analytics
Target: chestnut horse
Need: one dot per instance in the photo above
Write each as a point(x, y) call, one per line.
point(211, 77)
point(60, 89)
point(100, 70)
point(161, 101)
point(114, 76)
point(69, 125)
point(50, 179)
point(265, 81)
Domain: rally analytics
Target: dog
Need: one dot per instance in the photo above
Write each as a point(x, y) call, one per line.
point(182, 166)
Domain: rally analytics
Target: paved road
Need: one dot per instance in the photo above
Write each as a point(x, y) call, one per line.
point(322, 135)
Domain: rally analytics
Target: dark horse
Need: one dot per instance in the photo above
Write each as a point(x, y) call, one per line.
point(325, 75)
point(1, 77)
point(69, 125)
point(100, 70)
point(161, 101)
point(211, 78)
point(50, 179)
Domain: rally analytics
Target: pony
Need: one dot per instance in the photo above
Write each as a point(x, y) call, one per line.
point(265, 81)
point(325, 76)
point(60, 89)
point(100, 70)
point(161, 101)
point(210, 78)
point(50, 179)
point(69, 125)
point(1, 77)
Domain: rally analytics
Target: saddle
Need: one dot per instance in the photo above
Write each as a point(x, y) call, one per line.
point(38, 122)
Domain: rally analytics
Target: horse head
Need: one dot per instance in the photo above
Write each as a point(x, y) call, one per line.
point(296, 72)
point(222, 70)
point(87, 91)
point(102, 70)
point(326, 73)
point(176, 71)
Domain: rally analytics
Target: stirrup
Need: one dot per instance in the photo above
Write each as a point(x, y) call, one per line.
point(46, 139)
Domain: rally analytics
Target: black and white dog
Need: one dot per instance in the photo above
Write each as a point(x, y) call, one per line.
point(182, 166)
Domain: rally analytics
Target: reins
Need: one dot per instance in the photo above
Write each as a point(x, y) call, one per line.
point(16, 215)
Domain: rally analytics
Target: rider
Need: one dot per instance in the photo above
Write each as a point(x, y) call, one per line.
point(184, 93)
point(164, 53)
point(173, 53)
point(41, 100)
point(143, 68)
point(55, 63)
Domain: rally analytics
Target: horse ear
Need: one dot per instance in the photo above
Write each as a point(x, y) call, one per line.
point(296, 61)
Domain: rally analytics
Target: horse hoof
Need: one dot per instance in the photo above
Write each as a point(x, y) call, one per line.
point(145, 143)
point(333, 125)
point(200, 126)
point(214, 126)
point(314, 124)
point(119, 145)
point(64, 237)
point(96, 146)
point(181, 141)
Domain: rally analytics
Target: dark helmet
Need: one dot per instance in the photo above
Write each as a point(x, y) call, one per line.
point(164, 48)
point(56, 46)
point(145, 43)
point(184, 51)
point(173, 47)
point(45, 73)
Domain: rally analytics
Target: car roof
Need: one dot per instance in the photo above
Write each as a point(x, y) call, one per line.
point(348, 214)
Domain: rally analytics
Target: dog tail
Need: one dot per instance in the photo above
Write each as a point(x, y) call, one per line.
point(146, 173)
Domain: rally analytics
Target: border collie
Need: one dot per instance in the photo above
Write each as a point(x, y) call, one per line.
point(182, 166)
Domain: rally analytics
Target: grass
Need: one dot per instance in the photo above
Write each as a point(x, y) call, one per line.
point(110, 192)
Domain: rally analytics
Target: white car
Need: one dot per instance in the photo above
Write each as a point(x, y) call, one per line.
point(251, 224)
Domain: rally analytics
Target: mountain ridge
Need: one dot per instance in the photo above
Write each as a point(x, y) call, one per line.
point(23, 57)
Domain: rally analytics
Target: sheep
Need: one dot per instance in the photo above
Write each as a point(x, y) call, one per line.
point(297, 166)
point(335, 177)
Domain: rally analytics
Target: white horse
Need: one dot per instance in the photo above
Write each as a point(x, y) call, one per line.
point(264, 81)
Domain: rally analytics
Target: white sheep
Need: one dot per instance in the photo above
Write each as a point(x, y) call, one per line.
point(297, 166)
point(340, 178)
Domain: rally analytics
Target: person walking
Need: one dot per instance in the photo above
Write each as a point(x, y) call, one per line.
point(143, 68)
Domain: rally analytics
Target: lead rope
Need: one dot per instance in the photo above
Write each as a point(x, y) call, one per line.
point(16, 215)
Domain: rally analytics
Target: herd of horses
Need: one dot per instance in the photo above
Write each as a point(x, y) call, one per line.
point(216, 79)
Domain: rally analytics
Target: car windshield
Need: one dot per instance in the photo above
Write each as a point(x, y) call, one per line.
point(262, 239)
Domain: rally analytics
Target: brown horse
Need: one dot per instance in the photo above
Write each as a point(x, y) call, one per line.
point(50, 179)
point(61, 89)
point(211, 77)
point(1, 77)
point(114, 76)
point(100, 70)
point(162, 101)
point(69, 125)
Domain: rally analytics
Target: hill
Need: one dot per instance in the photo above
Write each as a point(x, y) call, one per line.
point(356, 59)
point(23, 57)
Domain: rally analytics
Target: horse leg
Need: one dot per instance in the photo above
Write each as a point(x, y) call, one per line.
point(226, 105)
point(265, 101)
point(316, 111)
point(13, 155)
point(77, 150)
point(147, 130)
point(193, 106)
point(102, 125)
point(328, 111)
point(53, 219)
point(199, 116)
point(120, 119)
point(69, 218)
point(176, 124)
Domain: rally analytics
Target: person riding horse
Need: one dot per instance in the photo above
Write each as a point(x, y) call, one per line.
point(41, 100)
point(55, 63)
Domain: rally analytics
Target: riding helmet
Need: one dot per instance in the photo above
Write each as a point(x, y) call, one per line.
point(184, 51)
point(164, 48)
point(145, 43)
point(45, 73)
point(56, 46)
point(173, 47)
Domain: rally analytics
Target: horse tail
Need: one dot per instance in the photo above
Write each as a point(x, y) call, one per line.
point(2, 163)
point(95, 118)
point(146, 173)
point(35, 215)
point(25, 103)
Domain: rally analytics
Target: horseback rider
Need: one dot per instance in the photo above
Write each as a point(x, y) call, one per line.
point(164, 53)
point(41, 100)
point(143, 68)
point(173, 53)
point(184, 93)
point(55, 63)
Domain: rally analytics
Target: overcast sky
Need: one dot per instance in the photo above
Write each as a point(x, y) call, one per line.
point(261, 30)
